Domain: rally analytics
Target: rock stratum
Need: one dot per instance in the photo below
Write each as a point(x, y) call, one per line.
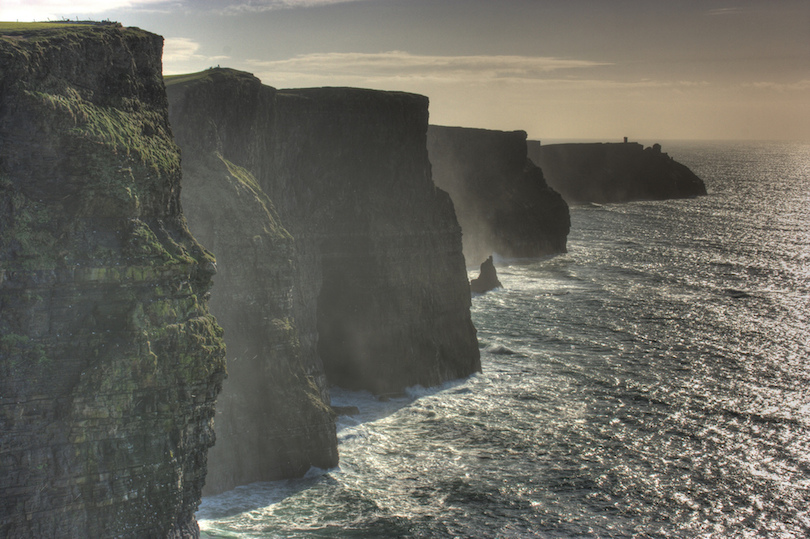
point(614, 172)
point(501, 197)
point(110, 362)
point(366, 274)
point(273, 416)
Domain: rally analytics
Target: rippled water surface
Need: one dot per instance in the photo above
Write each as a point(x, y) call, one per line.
point(653, 382)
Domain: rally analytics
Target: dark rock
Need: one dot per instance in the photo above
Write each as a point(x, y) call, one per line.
point(346, 410)
point(487, 278)
point(501, 198)
point(736, 293)
point(377, 286)
point(614, 172)
point(272, 419)
point(110, 363)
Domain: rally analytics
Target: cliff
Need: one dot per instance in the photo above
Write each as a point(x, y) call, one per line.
point(379, 294)
point(614, 172)
point(272, 419)
point(501, 198)
point(110, 362)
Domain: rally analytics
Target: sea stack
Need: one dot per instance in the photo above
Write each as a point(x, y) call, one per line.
point(501, 198)
point(111, 362)
point(614, 172)
point(487, 278)
point(375, 293)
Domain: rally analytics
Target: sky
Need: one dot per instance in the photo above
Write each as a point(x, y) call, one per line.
point(558, 69)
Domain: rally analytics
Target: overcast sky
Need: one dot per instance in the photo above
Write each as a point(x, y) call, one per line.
point(559, 69)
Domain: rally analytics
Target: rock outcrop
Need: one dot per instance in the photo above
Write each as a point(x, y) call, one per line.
point(110, 362)
point(487, 278)
point(614, 172)
point(501, 198)
point(380, 298)
point(273, 421)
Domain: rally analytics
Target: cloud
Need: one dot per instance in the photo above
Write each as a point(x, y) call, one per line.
point(396, 69)
point(257, 6)
point(41, 10)
point(179, 51)
point(798, 86)
point(397, 64)
point(727, 11)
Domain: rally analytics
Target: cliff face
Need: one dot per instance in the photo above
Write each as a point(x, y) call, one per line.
point(352, 182)
point(110, 362)
point(272, 419)
point(501, 198)
point(620, 172)
point(377, 293)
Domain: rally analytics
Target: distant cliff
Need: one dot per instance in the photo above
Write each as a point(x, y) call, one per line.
point(273, 421)
point(614, 172)
point(109, 360)
point(380, 298)
point(501, 198)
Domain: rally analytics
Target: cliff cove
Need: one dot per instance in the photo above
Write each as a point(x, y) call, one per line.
point(379, 298)
point(339, 266)
point(650, 382)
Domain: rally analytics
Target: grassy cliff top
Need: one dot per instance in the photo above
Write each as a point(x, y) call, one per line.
point(210, 74)
point(36, 31)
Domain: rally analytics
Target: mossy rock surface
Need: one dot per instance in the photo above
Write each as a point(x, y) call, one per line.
point(110, 362)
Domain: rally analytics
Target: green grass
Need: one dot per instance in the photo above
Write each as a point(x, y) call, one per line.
point(187, 77)
point(47, 30)
point(204, 75)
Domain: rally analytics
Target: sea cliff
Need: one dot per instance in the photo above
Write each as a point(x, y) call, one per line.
point(378, 297)
point(614, 172)
point(273, 416)
point(501, 198)
point(110, 362)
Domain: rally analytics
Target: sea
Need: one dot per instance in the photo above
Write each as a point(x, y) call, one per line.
point(654, 381)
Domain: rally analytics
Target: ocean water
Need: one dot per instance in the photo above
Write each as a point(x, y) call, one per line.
point(652, 382)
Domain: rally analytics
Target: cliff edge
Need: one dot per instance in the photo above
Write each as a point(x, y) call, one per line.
point(501, 198)
point(614, 172)
point(375, 289)
point(273, 420)
point(110, 362)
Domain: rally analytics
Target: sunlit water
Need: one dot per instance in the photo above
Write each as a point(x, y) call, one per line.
point(653, 382)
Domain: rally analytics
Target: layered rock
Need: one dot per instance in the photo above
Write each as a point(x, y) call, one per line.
point(272, 419)
point(352, 182)
point(110, 361)
point(380, 299)
point(614, 172)
point(501, 198)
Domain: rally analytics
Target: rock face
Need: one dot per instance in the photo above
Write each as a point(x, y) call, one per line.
point(380, 299)
point(614, 172)
point(487, 278)
point(272, 419)
point(501, 198)
point(110, 361)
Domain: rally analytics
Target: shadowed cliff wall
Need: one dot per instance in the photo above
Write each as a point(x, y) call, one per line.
point(109, 360)
point(272, 421)
point(614, 172)
point(501, 198)
point(352, 183)
point(379, 293)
